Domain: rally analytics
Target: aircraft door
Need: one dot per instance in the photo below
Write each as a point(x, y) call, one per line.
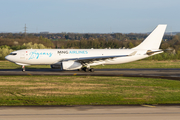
point(24, 55)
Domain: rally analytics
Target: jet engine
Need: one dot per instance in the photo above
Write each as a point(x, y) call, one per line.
point(67, 65)
point(71, 65)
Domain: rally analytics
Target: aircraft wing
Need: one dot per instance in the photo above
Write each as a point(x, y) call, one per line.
point(97, 58)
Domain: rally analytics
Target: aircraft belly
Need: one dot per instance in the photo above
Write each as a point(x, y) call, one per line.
point(125, 59)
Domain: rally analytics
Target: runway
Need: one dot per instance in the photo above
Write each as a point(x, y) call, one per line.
point(169, 73)
point(91, 112)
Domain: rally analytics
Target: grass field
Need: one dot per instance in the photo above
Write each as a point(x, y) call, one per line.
point(89, 90)
point(136, 64)
point(86, 90)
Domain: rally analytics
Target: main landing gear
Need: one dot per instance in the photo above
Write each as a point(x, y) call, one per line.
point(86, 69)
point(23, 68)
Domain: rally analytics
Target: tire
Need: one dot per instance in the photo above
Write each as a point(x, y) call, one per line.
point(86, 69)
point(92, 70)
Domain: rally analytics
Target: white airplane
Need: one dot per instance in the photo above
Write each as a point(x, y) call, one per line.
point(82, 59)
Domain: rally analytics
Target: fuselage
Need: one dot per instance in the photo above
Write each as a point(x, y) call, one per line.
point(53, 56)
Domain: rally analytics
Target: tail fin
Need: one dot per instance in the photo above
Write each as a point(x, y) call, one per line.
point(153, 41)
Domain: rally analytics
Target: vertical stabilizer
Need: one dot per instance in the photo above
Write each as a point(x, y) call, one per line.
point(153, 41)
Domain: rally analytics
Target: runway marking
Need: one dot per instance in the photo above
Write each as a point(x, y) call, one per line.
point(148, 106)
point(29, 74)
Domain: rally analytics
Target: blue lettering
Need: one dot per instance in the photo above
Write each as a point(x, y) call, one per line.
point(36, 55)
point(50, 54)
point(78, 52)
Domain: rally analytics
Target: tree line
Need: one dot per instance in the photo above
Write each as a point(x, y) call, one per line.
point(87, 41)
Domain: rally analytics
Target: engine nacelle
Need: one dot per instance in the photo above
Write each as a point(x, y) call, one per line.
point(71, 65)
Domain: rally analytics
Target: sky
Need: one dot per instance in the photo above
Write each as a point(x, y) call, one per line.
point(88, 16)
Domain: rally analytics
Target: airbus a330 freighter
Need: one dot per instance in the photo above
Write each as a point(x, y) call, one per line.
point(82, 59)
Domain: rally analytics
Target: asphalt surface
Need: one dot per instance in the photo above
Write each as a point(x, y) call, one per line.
point(151, 73)
point(91, 113)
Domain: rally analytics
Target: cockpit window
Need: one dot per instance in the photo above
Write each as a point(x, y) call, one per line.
point(13, 54)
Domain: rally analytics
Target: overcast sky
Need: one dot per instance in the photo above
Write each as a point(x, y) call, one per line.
point(89, 16)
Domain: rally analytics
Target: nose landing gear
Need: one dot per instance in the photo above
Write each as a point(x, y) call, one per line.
point(23, 68)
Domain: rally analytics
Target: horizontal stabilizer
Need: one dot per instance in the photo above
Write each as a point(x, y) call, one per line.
point(149, 52)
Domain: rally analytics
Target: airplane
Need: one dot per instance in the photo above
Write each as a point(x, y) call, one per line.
point(83, 59)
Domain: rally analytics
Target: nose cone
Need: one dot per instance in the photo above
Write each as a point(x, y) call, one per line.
point(8, 58)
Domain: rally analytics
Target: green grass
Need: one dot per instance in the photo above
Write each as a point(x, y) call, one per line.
point(86, 90)
point(89, 90)
point(136, 64)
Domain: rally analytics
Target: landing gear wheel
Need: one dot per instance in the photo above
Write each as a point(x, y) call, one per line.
point(91, 70)
point(86, 69)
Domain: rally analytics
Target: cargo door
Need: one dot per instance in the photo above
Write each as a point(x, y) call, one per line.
point(22, 55)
